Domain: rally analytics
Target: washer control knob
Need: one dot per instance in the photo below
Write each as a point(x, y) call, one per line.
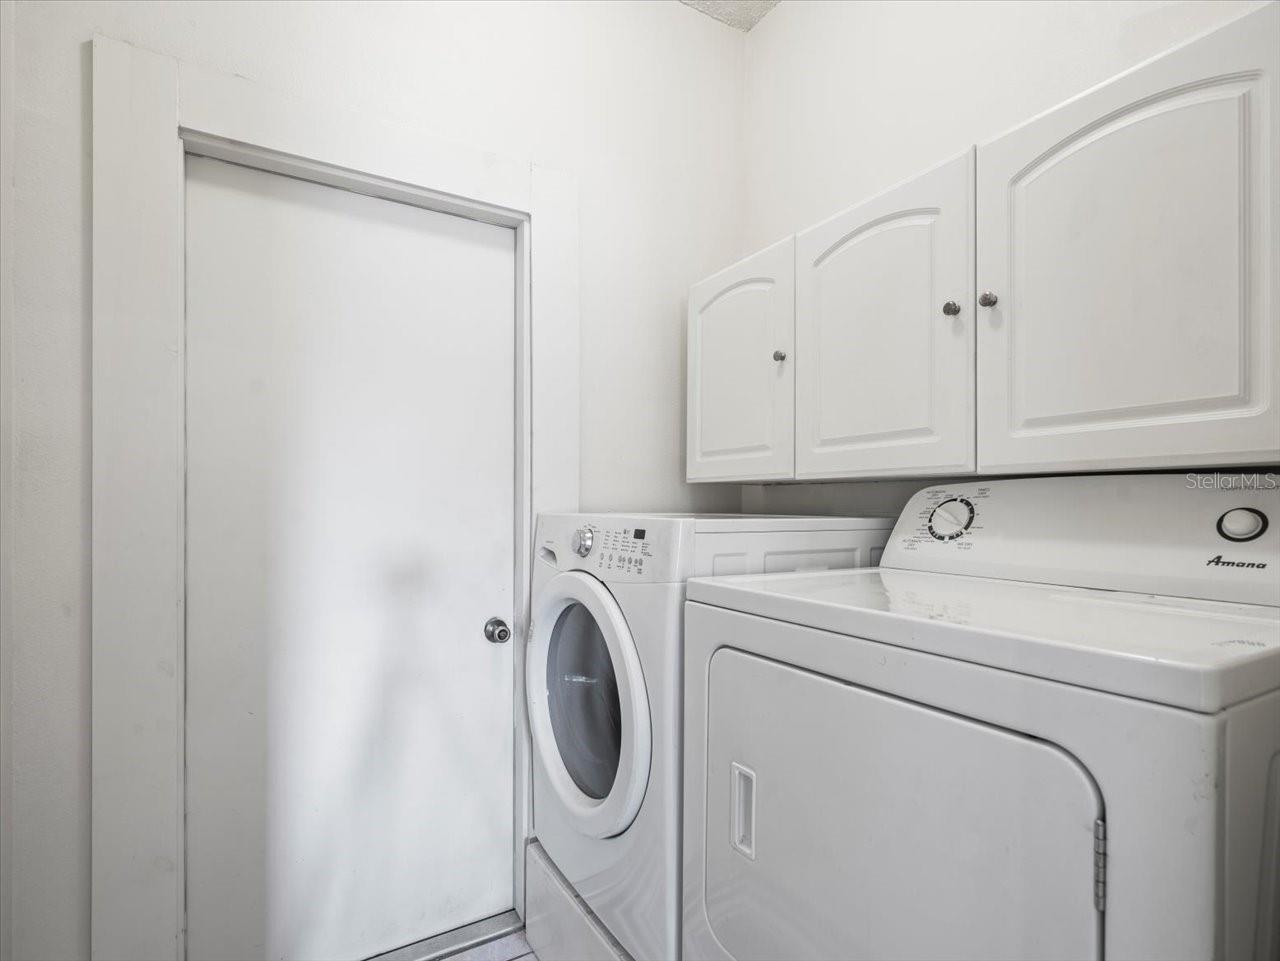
point(1242, 524)
point(950, 519)
point(582, 541)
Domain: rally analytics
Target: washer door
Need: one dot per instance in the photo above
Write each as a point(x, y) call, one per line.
point(588, 707)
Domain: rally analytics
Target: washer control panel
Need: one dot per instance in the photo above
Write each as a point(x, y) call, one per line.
point(623, 550)
point(613, 547)
point(1208, 536)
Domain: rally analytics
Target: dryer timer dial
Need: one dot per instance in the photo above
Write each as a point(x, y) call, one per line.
point(950, 519)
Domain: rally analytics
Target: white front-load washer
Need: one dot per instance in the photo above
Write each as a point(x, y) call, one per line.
point(1047, 726)
point(603, 683)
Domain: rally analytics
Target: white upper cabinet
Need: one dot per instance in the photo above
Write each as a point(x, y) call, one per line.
point(1125, 315)
point(741, 384)
point(1131, 238)
point(885, 332)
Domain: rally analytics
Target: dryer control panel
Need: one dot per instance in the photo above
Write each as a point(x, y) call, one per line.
point(1211, 536)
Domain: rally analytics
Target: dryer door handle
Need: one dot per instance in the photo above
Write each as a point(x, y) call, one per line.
point(742, 795)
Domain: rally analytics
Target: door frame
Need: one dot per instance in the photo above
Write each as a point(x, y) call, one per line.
point(149, 111)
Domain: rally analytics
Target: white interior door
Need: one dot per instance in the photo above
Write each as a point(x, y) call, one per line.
point(350, 517)
point(741, 386)
point(884, 332)
point(1130, 237)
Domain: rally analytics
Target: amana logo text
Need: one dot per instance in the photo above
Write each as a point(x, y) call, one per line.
point(1219, 562)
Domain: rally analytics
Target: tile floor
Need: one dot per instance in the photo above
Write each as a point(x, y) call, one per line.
point(499, 938)
point(513, 947)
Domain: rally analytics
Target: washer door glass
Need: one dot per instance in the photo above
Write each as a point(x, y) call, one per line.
point(588, 706)
point(582, 699)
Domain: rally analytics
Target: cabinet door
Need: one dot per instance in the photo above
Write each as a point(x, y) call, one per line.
point(741, 385)
point(884, 332)
point(1130, 237)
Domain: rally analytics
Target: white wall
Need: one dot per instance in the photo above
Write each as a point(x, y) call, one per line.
point(641, 100)
point(844, 99)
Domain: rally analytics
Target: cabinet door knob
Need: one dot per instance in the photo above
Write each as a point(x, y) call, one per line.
point(779, 355)
point(951, 308)
point(988, 299)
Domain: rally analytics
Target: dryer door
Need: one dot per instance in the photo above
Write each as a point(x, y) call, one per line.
point(588, 707)
point(842, 822)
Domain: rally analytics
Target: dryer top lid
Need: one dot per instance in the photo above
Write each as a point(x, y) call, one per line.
point(1164, 587)
point(1200, 655)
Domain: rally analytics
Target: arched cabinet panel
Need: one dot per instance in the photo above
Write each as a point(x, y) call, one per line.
point(741, 385)
point(884, 332)
point(1130, 238)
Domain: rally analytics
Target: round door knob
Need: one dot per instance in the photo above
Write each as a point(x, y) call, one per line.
point(582, 541)
point(496, 631)
point(1242, 524)
point(951, 308)
point(988, 299)
point(779, 355)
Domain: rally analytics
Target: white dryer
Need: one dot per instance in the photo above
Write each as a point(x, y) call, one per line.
point(603, 682)
point(1048, 726)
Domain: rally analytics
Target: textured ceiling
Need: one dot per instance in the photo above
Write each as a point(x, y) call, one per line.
point(743, 14)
